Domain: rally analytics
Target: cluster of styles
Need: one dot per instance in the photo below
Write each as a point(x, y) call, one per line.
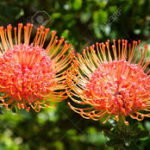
point(103, 82)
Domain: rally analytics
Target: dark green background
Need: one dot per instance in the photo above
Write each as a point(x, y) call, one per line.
point(82, 23)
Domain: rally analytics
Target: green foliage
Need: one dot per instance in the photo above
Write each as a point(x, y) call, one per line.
point(77, 4)
point(58, 129)
point(81, 22)
point(86, 21)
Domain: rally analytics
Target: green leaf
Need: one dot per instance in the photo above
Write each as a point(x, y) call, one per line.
point(56, 15)
point(85, 16)
point(65, 34)
point(100, 16)
point(77, 4)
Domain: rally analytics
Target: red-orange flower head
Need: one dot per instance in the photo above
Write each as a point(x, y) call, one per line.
point(30, 75)
point(111, 82)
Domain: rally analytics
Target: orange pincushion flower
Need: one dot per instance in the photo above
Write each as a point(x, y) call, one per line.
point(107, 85)
point(30, 75)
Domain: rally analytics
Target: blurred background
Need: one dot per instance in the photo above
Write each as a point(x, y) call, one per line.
point(81, 23)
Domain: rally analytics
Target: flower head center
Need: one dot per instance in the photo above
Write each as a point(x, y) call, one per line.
point(118, 87)
point(26, 73)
